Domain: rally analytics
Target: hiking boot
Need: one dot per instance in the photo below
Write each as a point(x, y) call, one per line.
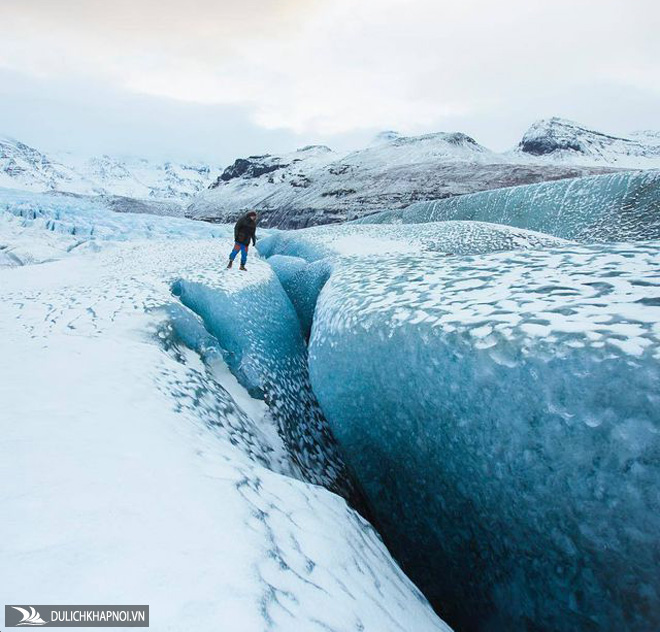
point(230, 264)
point(243, 268)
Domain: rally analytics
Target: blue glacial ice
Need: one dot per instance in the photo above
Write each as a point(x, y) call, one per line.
point(614, 207)
point(87, 218)
point(451, 237)
point(501, 413)
point(303, 259)
point(260, 338)
point(302, 282)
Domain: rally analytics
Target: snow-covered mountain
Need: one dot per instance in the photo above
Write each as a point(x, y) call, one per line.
point(317, 186)
point(26, 168)
point(647, 137)
point(562, 141)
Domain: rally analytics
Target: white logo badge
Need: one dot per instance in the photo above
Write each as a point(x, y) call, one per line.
point(30, 617)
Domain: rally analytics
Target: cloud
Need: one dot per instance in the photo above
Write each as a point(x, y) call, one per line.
point(333, 66)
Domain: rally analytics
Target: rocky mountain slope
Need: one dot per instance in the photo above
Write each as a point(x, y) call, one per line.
point(317, 186)
point(562, 141)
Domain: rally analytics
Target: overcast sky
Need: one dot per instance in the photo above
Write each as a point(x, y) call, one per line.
point(216, 79)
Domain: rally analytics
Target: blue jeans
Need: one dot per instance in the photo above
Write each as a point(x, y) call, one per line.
point(243, 248)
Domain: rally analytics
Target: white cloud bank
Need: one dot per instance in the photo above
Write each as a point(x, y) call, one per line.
point(338, 66)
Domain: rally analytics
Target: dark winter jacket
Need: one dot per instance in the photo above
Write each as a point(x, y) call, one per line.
point(245, 229)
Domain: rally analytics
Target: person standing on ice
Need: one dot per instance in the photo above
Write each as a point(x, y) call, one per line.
point(244, 232)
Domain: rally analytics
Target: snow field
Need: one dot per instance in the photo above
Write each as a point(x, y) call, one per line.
point(136, 468)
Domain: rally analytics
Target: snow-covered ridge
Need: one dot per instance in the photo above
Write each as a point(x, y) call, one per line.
point(25, 167)
point(320, 187)
point(560, 140)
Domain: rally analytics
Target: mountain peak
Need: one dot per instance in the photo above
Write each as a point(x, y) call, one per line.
point(320, 149)
point(386, 136)
point(548, 136)
point(566, 140)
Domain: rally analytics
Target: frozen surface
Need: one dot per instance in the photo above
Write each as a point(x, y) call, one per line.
point(259, 333)
point(85, 217)
point(134, 466)
point(303, 259)
point(465, 238)
point(501, 413)
point(617, 207)
point(302, 282)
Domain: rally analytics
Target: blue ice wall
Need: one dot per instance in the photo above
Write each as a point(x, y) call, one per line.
point(302, 282)
point(258, 331)
point(502, 414)
point(614, 207)
point(88, 218)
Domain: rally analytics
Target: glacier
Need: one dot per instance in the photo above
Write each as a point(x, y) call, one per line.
point(495, 391)
point(486, 394)
point(501, 414)
point(259, 334)
point(616, 207)
point(304, 259)
point(137, 456)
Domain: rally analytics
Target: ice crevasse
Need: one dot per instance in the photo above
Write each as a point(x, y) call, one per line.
point(501, 414)
point(145, 466)
point(260, 338)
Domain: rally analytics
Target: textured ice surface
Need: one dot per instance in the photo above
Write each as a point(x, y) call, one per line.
point(260, 337)
point(288, 251)
point(616, 207)
point(319, 242)
point(133, 462)
point(38, 227)
point(85, 218)
point(502, 415)
point(302, 282)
